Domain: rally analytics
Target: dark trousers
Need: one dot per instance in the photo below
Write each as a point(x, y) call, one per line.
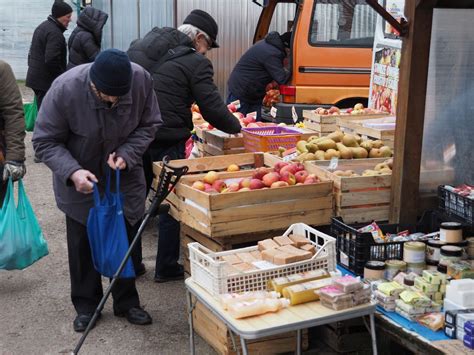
point(246, 107)
point(168, 228)
point(40, 94)
point(86, 282)
point(3, 188)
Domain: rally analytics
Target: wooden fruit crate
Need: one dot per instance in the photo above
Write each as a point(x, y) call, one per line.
point(357, 199)
point(326, 124)
point(216, 334)
point(356, 126)
point(221, 215)
point(190, 235)
point(216, 142)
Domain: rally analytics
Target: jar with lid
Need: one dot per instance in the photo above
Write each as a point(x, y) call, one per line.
point(414, 252)
point(431, 265)
point(450, 253)
point(450, 232)
point(417, 268)
point(393, 267)
point(374, 270)
point(433, 250)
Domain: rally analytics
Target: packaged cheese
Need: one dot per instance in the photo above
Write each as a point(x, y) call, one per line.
point(348, 283)
point(244, 267)
point(256, 254)
point(256, 307)
point(279, 283)
point(228, 298)
point(246, 257)
point(304, 292)
point(309, 247)
point(267, 244)
point(283, 241)
point(302, 254)
point(299, 239)
point(231, 259)
point(278, 257)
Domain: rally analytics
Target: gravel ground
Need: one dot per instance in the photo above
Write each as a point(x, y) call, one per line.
point(36, 311)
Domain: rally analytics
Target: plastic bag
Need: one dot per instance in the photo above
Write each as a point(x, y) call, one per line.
point(21, 240)
point(107, 232)
point(31, 111)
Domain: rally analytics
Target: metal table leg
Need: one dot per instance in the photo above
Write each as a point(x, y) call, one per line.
point(298, 342)
point(243, 344)
point(372, 334)
point(190, 321)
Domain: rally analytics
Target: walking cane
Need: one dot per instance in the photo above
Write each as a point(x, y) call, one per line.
point(168, 179)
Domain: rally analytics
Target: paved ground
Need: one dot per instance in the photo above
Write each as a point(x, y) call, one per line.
point(36, 313)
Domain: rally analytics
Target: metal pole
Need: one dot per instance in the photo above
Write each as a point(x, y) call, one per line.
point(372, 334)
point(298, 342)
point(190, 321)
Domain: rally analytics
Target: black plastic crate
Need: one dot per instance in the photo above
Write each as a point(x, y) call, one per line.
point(354, 249)
point(452, 203)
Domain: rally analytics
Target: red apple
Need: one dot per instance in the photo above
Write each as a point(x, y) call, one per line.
point(301, 176)
point(333, 109)
point(233, 186)
point(253, 125)
point(245, 182)
point(259, 173)
point(239, 115)
point(256, 184)
point(270, 178)
point(210, 177)
point(279, 184)
point(280, 165)
point(310, 181)
point(244, 189)
point(288, 177)
point(199, 185)
point(290, 168)
point(249, 119)
point(297, 167)
point(219, 185)
point(233, 167)
point(232, 107)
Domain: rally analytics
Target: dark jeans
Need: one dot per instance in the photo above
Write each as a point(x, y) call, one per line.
point(86, 282)
point(246, 107)
point(39, 97)
point(168, 228)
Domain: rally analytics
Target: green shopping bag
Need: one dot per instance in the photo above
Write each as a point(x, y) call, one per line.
point(21, 240)
point(31, 111)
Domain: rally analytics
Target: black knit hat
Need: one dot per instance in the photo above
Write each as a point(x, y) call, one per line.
point(60, 9)
point(286, 39)
point(111, 73)
point(204, 22)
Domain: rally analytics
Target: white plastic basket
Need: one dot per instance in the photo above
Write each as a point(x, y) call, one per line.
point(209, 271)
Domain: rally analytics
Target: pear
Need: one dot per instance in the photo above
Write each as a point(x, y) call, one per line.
point(375, 153)
point(346, 153)
point(319, 155)
point(331, 153)
point(349, 140)
point(377, 144)
point(326, 144)
point(358, 138)
point(385, 151)
point(336, 136)
point(312, 147)
point(301, 146)
point(367, 145)
point(359, 153)
point(385, 171)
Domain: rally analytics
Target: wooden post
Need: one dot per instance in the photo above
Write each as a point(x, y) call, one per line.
point(411, 111)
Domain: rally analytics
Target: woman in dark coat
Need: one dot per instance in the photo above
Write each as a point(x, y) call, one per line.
point(84, 42)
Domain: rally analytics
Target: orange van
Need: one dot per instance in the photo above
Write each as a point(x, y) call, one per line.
point(331, 51)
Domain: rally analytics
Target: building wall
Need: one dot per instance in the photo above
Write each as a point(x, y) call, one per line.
point(18, 20)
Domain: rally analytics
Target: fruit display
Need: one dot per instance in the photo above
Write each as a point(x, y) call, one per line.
point(281, 175)
point(384, 168)
point(272, 95)
point(342, 146)
point(358, 109)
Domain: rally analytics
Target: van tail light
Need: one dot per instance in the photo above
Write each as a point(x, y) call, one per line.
point(288, 90)
point(288, 93)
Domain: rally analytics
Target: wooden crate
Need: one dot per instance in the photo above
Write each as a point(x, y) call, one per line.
point(220, 215)
point(190, 235)
point(216, 334)
point(326, 124)
point(357, 199)
point(356, 126)
point(342, 337)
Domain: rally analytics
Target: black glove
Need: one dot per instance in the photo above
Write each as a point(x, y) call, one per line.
point(14, 169)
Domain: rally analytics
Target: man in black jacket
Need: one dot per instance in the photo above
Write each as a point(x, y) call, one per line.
point(182, 74)
point(48, 52)
point(258, 67)
point(84, 42)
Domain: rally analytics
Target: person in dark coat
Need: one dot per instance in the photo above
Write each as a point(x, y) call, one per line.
point(12, 130)
point(258, 67)
point(48, 52)
point(84, 42)
point(182, 75)
point(97, 116)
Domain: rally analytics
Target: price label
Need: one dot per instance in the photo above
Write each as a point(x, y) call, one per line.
point(294, 114)
point(344, 259)
point(273, 112)
point(290, 157)
point(334, 163)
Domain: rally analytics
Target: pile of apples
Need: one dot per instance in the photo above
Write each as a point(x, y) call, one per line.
point(358, 109)
point(281, 175)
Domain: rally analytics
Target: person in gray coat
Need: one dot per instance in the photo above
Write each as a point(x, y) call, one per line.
point(97, 116)
point(84, 42)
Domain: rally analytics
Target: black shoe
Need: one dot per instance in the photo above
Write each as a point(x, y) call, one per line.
point(176, 274)
point(82, 321)
point(136, 315)
point(140, 270)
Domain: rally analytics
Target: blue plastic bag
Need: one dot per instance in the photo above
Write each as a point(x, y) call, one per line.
point(107, 232)
point(21, 240)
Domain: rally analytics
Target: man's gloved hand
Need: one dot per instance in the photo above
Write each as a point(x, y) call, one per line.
point(15, 169)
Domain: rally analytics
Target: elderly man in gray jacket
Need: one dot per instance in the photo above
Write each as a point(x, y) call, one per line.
point(94, 116)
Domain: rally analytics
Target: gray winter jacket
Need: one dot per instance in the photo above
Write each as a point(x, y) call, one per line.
point(75, 130)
